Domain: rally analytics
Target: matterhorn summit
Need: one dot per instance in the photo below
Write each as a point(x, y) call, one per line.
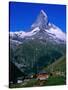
point(40, 30)
point(41, 21)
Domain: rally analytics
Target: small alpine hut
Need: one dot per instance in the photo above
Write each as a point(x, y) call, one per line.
point(42, 75)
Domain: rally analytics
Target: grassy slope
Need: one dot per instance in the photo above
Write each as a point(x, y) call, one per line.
point(58, 65)
point(34, 83)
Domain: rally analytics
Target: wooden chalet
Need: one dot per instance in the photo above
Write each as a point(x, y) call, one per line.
point(42, 76)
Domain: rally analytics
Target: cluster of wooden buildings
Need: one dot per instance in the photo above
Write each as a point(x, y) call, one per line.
point(16, 75)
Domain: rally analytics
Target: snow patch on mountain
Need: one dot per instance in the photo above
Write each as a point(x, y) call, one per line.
point(33, 32)
point(18, 33)
point(15, 41)
point(57, 33)
point(23, 34)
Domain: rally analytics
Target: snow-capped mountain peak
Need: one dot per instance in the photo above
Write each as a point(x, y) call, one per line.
point(41, 21)
point(43, 13)
point(41, 29)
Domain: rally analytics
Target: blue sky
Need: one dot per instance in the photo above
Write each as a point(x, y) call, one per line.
point(22, 15)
